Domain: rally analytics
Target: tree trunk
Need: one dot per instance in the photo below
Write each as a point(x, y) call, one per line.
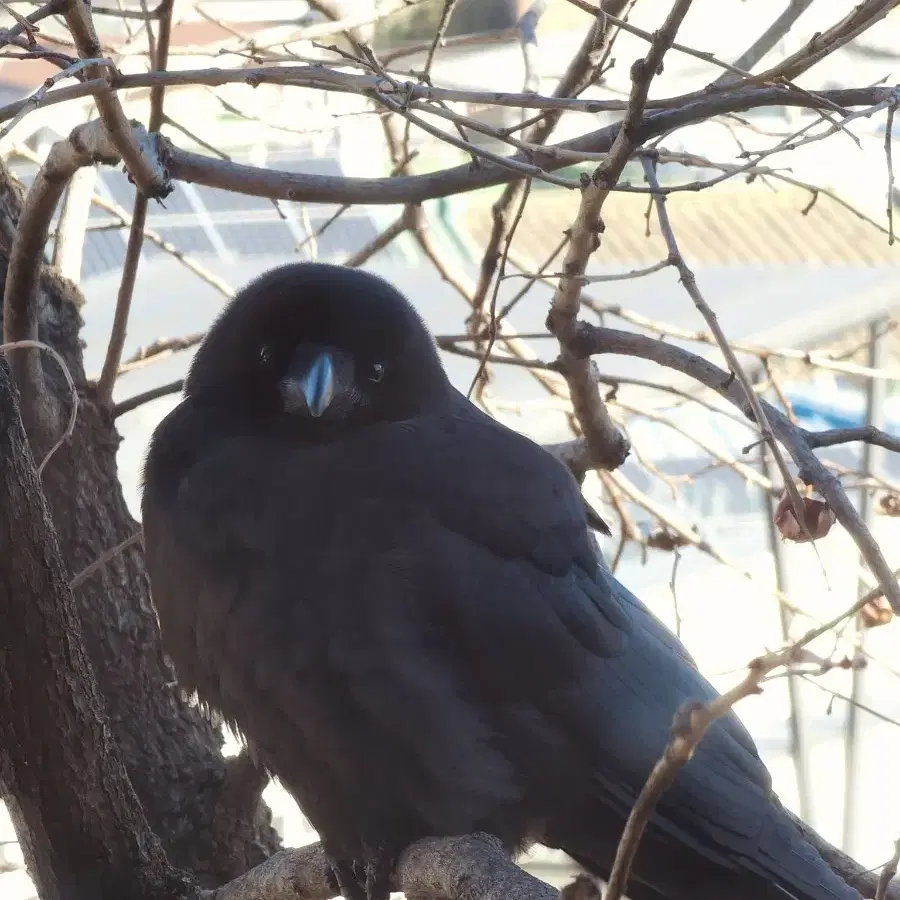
point(206, 810)
point(82, 829)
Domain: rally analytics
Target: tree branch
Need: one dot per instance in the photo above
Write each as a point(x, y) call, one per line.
point(473, 867)
point(135, 244)
point(592, 340)
point(87, 144)
point(766, 41)
point(56, 749)
point(186, 166)
point(143, 166)
point(607, 446)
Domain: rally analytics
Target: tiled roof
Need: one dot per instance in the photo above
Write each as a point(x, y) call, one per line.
point(746, 225)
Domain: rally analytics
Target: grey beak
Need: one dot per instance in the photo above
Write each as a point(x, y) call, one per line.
point(317, 384)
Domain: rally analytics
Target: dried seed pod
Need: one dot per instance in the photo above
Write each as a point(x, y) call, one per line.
point(817, 515)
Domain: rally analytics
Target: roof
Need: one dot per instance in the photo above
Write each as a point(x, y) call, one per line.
point(741, 225)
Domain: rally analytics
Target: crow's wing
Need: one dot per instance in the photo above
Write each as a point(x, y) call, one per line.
point(428, 591)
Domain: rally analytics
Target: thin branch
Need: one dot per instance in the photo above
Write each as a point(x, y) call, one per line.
point(123, 300)
point(889, 159)
point(403, 223)
point(87, 144)
point(132, 403)
point(767, 40)
point(691, 723)
point(36, 99)
point(606, 444)
point(438, 39)
point(139, 155)
point(161, 347)
point(888, 873)
point(591, 340)
point(689, 282)
point(866, 434)
point(73, 393)
point(105, 558)
point(135, 244)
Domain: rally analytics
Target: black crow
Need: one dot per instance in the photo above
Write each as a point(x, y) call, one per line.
point(399, 603)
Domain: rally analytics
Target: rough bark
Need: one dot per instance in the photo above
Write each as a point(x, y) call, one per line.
point(82, 829)
point(206, 810)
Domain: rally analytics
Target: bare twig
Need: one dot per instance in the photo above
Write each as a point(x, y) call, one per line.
point(403, 223)
point(105, 558)
point(689, 282)
point(135, 147)
point(767, 40)
point(866, 434)
point(73, 411)
point(888, 873)
point(135, 244)
point(87, 144)
point(34, 101)
point(596, 340)
point(132, 403)
point(691, 723)
point(889, 158)
point(607, 445)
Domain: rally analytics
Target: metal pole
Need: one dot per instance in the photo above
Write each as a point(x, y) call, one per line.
point(876, 394)
point(796, 725)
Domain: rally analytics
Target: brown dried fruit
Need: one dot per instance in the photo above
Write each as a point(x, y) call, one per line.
point(876, 612)
point(817, 516)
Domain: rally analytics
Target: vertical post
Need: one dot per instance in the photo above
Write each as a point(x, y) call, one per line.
point(876, 394)
point(527, 21)
point(796, 724)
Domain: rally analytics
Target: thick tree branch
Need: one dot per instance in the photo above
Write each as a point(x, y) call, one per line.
point(471, 867)
point(81, 827)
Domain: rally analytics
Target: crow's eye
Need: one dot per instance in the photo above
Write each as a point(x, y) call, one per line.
point(377, 373)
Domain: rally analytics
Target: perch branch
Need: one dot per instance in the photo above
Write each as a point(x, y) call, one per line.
point(473, 867)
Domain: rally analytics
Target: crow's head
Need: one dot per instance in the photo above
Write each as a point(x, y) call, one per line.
point(318, 348)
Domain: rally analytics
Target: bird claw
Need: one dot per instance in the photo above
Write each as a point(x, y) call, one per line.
point(347, 880)
point(379, 870)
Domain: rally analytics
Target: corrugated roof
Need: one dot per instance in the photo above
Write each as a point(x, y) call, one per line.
point(746, 225)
